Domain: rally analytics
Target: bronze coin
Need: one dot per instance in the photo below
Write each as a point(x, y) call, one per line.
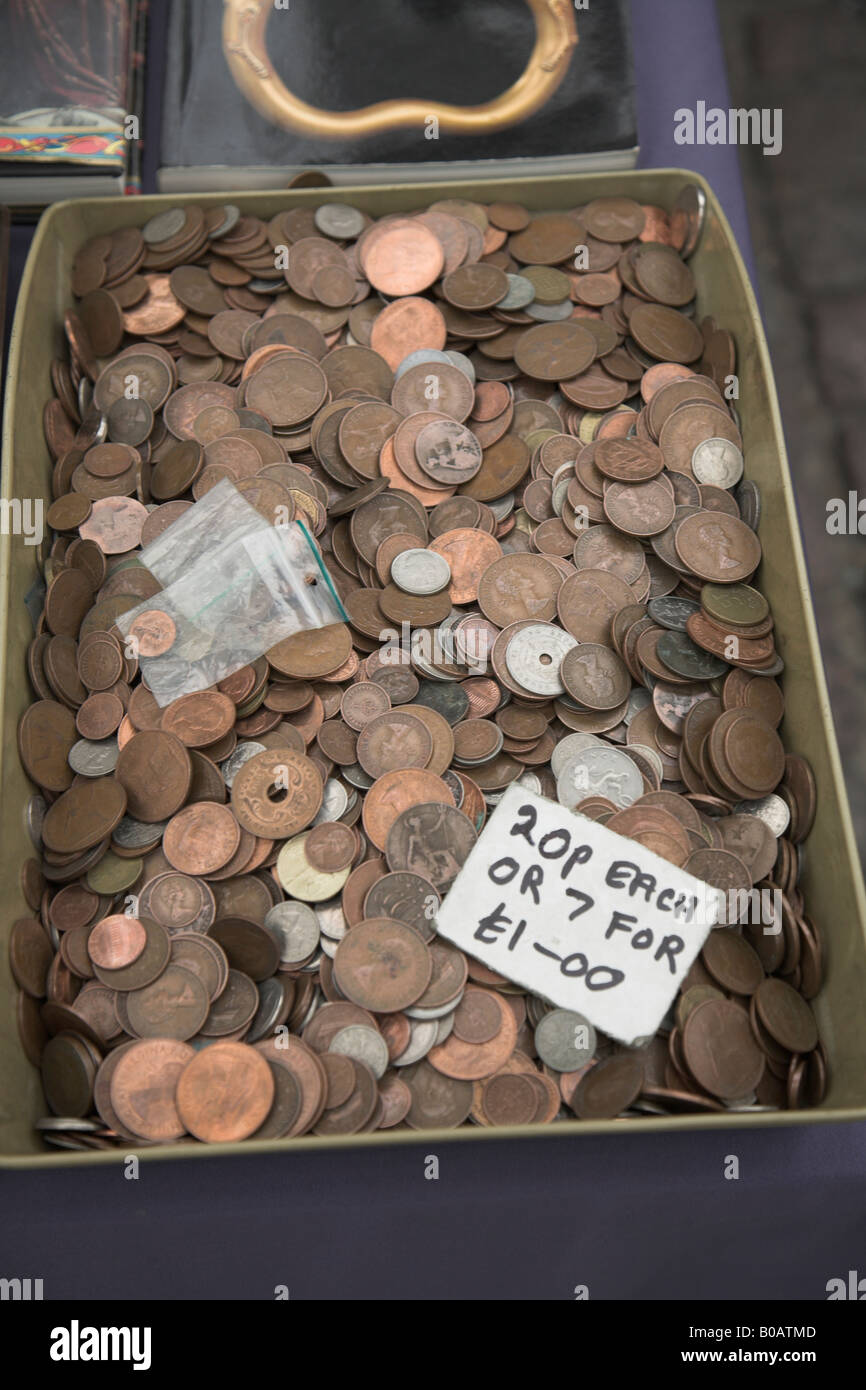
point(201, 838)
point(609, 1087)
point(402, 258)
point(84, 815)
point(786, 1016)
point(357, 965)
point(143, 1088)
point(720, 1049)
point(174, 1006)
point(155, 769)
point(116, 942)
point(225, 1092)
point(277, 793)
point(393, 741)
point(330, 847)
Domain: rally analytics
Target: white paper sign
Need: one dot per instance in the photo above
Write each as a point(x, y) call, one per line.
point(584, 917)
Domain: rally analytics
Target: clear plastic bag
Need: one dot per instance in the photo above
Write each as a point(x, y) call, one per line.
point(239, 595)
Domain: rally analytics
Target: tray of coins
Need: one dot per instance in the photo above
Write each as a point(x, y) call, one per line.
point(530, 432)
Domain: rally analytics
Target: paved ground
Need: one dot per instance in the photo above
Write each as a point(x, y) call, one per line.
point(807, 208)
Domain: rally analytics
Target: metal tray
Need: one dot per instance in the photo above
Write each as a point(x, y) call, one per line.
point(831, 879)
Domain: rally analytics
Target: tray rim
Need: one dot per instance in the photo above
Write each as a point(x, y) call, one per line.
point(732, 1120)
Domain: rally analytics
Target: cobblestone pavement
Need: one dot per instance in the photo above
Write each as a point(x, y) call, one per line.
point(807, 208)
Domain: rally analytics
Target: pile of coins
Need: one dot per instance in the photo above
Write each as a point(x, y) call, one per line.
point(512, 436)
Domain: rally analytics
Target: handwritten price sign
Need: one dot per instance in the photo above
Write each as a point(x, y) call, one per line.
point(588, 919)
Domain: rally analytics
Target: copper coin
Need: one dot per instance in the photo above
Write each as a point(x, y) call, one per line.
point(432, 841)
point(555, 351)
point(716, 547)
point(608, 1088)
point(628, 460)
point(518, 587)
point(153, 633)
point(277, 793)
point(406, 326)
point(438, 1101)
point(595, 676)
point(473, 1061)
point(393, 741)
point(144, 1085)
point(201, 838)
point(82, 816)
point(174, 1006)
point(403, 258)
point(448, 452)
point(199, 719)
point(786, 1016)
point(720, 1049)
point(225, 1093)
point(382, 965)
point(115, 524)
point(116, 942)
point(330, 847)
point(156, 771)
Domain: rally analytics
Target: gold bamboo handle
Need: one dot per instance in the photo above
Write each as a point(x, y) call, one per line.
point(244, 24)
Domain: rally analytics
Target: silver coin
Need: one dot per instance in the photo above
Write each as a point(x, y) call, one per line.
point(690, 208)
point(135, 834)
point(446, 1026)
point(335, 802)
point(600, 772)
point(550, 313)
point(772, 810)
point(67, 1122)
point(421, 572)
point(638, 699)
point(462, 363)
point(313, 965)
point(331, 920)
point(567, 747)
point(440, 1011)
point(743, 1103)
point(422, 1036)
point(231, 220)
point(356, 777)
point(530, 780)
point(316, 1003)
point(502, 507)
point(329, 947)
point(419, 358)
point(650, 755)
point(565, 1040)
point(272, 1000)
point(717, 462)
point(164, 226)
point(232, 765)
point(534, 656)
point(36, 808)
point(364, 1044)
point(340, 221)
point(296, 928)
point(94, 759)
point(520, 293)
point(748, 499)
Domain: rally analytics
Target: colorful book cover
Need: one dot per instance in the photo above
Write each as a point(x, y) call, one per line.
point(65, 83)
